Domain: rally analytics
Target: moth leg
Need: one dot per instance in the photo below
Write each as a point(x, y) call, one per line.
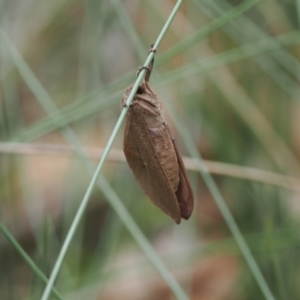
point(147, 75)
point(149, 70)
point(123, 103)
point(150, 67)
point(152, 49)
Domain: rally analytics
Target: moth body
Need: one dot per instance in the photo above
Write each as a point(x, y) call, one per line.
point(153, 156)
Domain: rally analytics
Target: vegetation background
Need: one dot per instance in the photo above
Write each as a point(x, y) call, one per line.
point(235, 87)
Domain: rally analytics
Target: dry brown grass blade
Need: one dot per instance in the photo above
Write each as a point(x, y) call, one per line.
point(217, 168)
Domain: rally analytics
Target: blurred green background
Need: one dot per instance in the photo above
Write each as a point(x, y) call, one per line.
point(233, 81)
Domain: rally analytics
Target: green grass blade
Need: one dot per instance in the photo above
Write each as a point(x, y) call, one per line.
point(248, 51)
point(218, 198)
point(220, 202)
point(254, 32)
point(27, 259)
point(202, 33)
point(269, 63)
point(115, 202)
point(79, 110)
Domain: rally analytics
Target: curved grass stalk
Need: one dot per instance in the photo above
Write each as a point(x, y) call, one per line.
point(191, 40)
point(27, 259)
point(62, 124)
point(219, 200)
point(283, 58)
point(213, 167)
point(79, 110)
point(234, 55)
point(49, 106)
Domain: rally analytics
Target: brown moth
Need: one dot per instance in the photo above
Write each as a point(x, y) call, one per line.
point(152, 154)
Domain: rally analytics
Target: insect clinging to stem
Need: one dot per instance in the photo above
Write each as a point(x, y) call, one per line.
point(152, 154)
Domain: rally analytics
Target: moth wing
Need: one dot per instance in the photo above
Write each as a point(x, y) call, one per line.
point(184, 191)
point(143, 160)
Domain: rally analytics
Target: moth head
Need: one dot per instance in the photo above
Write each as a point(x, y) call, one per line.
point(140, 90)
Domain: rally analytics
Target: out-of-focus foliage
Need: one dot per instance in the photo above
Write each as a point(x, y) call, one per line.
point(247, 113)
